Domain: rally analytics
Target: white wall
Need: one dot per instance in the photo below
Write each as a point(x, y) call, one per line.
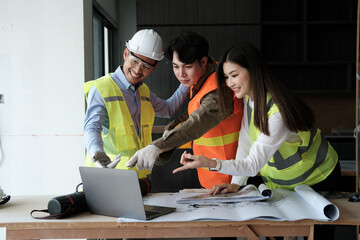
point(41, 77)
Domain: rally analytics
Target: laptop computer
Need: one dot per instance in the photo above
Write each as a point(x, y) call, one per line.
point(116, 193)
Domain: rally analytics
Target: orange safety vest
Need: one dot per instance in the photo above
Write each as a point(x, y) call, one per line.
point(221, 141)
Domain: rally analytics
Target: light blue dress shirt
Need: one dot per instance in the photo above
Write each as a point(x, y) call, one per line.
point(97, 119)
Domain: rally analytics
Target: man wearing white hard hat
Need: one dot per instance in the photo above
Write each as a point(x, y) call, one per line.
point(121, 108)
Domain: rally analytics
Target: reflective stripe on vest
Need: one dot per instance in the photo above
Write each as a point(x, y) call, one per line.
point(121, 137)
point(219, 142)
point(307, 162)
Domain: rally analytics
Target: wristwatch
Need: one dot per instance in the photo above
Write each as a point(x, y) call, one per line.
point(218, 165)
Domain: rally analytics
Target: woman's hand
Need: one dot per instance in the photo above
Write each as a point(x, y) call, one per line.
point(224, 188)
point(191, 161)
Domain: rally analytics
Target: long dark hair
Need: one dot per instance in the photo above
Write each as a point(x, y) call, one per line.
point(296, 115)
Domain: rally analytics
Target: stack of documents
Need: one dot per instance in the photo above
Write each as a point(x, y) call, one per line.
point(303, 203)
point(247, 193)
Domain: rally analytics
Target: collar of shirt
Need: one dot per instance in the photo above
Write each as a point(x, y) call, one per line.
point(120, 78)
point(251, 102)
point(210, 69)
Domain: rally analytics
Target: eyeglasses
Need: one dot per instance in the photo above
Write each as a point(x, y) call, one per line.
point(136, 61)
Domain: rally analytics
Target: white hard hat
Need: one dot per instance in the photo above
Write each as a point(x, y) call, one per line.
point(148, 43)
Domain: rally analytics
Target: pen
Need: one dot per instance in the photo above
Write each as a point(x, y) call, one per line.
point(203, 205)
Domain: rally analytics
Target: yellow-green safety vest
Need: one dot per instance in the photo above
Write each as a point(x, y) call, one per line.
point(307, 162)
point(121, 137)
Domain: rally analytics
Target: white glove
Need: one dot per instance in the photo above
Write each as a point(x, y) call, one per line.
point(115, 161)
point(102, 160)
point(144, 158)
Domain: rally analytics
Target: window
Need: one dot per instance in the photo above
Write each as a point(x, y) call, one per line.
point(103, 45)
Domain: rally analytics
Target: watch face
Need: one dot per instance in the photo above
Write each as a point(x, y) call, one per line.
point(4, 199)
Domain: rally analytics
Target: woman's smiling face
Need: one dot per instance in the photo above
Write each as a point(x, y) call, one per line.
point(237, 79)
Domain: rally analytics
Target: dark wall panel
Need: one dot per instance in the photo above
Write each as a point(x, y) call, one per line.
point(309, 44)
point(192, 12)
point(222, 23)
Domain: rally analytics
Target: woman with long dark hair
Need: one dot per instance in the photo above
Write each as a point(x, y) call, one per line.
point(278, 137)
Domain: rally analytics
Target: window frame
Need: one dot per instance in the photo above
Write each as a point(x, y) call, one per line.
point(98, 36)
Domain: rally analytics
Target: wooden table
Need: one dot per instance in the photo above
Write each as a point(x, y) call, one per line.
point(15, 217)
